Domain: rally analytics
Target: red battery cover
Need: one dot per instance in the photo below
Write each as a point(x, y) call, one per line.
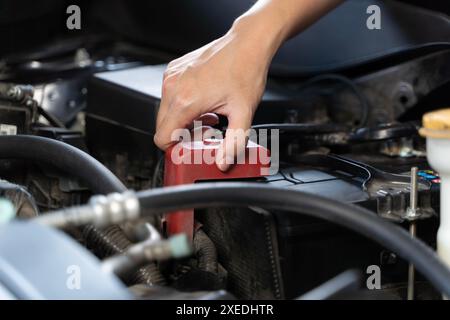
point(188, 162)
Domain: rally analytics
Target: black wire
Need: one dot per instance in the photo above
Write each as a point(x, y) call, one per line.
point(305, 128)
point(358, 219)
point(157, 172)
point(50, 118)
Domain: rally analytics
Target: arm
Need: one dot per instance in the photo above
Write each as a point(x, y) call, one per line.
point(228, 75)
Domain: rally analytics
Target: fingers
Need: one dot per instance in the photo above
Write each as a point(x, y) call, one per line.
point(177, 111)
point(168, 88)
point(179, 116)
point(232, 149)
point(207, 119)
point(205, 132)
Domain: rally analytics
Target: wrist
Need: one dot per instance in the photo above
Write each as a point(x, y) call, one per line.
point(263, 32)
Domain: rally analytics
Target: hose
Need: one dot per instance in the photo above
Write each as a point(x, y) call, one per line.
point(355, 218)
point(96, 176)
point(64, 157)
point(112, 241)
point(206, 252)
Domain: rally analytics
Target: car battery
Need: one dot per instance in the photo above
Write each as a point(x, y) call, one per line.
point(120, 121)
point(121, 114)
point(132, 98)
point(287, 254)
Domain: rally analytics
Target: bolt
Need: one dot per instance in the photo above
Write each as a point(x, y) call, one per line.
point(13, 92)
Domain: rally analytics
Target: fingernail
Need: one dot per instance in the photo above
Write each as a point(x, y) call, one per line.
point(225, 163)
point(223, 166)
point(220, 160)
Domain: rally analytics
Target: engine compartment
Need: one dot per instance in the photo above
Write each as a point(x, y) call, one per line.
point(350, 137)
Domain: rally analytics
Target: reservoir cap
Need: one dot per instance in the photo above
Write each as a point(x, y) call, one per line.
point(436, 124)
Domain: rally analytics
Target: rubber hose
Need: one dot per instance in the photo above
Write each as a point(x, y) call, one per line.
point(358, 219)
point(84, 167)
point(64, 157)
point(206, 252)
point(112, 241)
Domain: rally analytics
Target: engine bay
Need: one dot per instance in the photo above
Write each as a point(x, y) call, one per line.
point(83, 186)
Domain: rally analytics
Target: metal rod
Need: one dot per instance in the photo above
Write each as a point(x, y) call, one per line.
point(414, 192)
point(412, 212)
point(411, 270)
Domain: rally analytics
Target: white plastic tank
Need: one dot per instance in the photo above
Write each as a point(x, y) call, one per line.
point(436, 129)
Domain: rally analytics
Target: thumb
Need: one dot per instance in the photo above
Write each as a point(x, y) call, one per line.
point(232, 149)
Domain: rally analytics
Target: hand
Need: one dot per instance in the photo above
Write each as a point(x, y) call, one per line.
point(228, 75)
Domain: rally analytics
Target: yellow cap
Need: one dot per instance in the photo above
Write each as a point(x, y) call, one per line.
point(436, 124)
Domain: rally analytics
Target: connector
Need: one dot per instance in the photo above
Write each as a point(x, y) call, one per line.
point(101, 211)
point(148, 251)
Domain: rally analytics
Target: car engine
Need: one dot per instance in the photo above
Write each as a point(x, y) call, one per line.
point(353, 193)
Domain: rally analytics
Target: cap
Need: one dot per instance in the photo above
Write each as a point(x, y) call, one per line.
point(436, 124)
